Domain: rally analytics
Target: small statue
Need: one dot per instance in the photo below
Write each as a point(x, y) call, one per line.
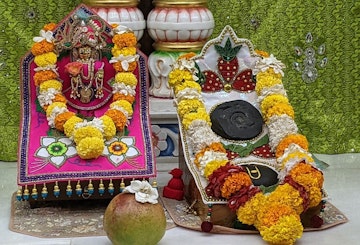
point(175, 186)
point(86, 71)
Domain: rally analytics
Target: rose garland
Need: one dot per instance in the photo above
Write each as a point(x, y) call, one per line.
point(89, 136)
point(275, 215)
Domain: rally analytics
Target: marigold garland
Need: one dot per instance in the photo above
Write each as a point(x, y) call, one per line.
point(88, 136)
point(234, 183)
point(42, 76)
point(188, 106)
point(277, 215)
point(291, 139)
point(279, 109)
point(271, 100)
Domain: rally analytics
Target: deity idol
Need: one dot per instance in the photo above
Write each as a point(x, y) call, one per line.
point(87, 73)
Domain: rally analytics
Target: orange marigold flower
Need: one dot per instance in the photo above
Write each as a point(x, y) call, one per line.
point(272, 212)
point(49, 27)
point(215, 146)
point(187, 55)
point(125, 40)
point(298, 139)
point(235, 182)
point(118, 117)
point(42, 47)
point(262, 53)
point(114, 25)
point(118, 67)
point(120, 96)
point(60, 98)
point(306, 175)
point(42, 76)
point(61, 119)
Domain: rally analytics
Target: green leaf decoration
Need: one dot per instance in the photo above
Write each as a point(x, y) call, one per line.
point(268, 189)
point(38, 107)
point(320, 164)
point(200, 75)
point(245, 150)
point(227, 52)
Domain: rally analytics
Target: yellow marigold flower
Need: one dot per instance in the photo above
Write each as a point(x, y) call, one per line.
point(284, 232)
point(128, 78)
point(298, 139)
point(61, 119)
point(187, 84)
point(118, 66)
point(187, 106)
point(51, 107)
point(118, 118)
point(315, 196)
point(90, 147)
point(69, 126)
point(116, 51)
point(109, 127)
point(234, 183)
point(200, 114)
point(120, 96)
point(267, 79)
point(288, 195)
point(298, 155)
point(42, 48)
point(87, 131)
point(45, 59)
point(55, 84)
point(123, 40)
point(49, 27)
point(278, 110)
point(178, 76)
point(123, 104)
point(212, 166)
point(247, 213)
point(271, 100)
point(42, 76)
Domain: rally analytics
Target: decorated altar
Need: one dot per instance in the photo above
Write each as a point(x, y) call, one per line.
point(85, 126)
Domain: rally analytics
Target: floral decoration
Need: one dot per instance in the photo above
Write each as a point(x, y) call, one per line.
point(55, 150)
point(277, 214)
point(143, 191)
point(89, 136)
point(120, 149)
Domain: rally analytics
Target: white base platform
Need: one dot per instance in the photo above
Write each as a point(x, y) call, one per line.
point(341, 182)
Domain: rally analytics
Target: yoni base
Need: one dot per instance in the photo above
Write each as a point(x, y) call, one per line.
point(221, 213)
point(223, 216)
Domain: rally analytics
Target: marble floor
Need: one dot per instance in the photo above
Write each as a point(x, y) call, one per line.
point(342, 181)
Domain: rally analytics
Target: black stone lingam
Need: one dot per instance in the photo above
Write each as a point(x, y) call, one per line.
point(236, 120)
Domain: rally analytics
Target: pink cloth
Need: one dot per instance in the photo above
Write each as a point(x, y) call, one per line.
point(34, 126)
